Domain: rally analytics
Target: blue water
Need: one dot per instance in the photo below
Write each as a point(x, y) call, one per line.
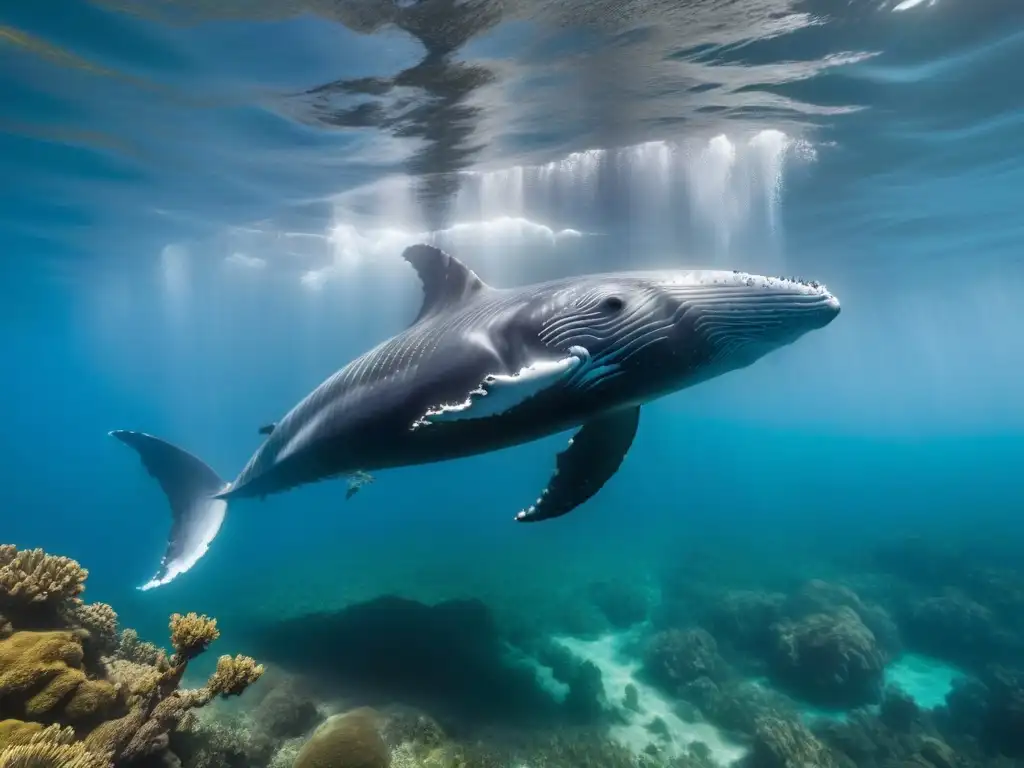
point(201, 217)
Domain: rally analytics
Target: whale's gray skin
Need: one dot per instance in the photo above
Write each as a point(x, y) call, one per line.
point(483, 368)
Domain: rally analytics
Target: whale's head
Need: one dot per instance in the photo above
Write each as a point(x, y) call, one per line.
point(648, 334)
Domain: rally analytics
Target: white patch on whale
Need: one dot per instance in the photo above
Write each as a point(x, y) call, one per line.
point(500, 393)
point(210, 521)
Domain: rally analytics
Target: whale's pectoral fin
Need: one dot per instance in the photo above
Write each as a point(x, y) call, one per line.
point(595, 453)
point(500, 393)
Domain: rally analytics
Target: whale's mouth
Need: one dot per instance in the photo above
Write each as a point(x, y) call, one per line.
point(741, 316)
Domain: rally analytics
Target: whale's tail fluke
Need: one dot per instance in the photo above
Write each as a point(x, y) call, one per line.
point(190, 486)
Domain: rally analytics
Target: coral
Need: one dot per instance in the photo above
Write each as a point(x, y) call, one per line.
point(402, 650)
point(780, 743)
point(155, 713)
point(675, 657)
point(100, 621)
point(52, 747)
point(41, 676)
point(221, 742)
point(286, 712)
point(131, 648)
point(829, 659)
point(32, 576)
point(571, 748)
point(287, 752)
point(5, 627)
point(192, 634)
point(135, 680)
point(121, 709)
point(898, 710)
point(17, 732)
point(743, 619)
point(952, 626)
point(736, 705)
point(1004, 711)
point(817, 596)
point(51, 755)
point(234, 675)
point(350, 740)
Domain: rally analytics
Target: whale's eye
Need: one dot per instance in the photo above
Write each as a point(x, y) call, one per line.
point(613, 304)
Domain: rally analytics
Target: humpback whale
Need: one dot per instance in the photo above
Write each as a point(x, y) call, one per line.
point(484, 368)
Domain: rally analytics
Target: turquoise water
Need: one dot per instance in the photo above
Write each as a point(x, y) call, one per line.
point(202, 213)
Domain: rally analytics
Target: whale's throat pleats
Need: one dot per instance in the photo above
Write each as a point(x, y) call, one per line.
point(447, 282)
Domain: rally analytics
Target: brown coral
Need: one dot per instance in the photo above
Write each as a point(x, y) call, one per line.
point(49, 675)
point(52, 747)
point(51, 755)
point(351, 740)
point(13, 732)
point(32, 576)
point(831, 659)
point(234, 675)
point(192, 634)
point(41, 673)
point(131, 648)
point(158, 707)
point(100, 621)
point(780, 743)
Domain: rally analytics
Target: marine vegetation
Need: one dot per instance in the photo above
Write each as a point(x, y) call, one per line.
point(73, 692)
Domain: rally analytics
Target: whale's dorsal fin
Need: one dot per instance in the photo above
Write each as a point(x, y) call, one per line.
point(267, 429)
point(447, 282)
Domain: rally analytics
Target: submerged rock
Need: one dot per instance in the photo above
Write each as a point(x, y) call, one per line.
point(829, 659)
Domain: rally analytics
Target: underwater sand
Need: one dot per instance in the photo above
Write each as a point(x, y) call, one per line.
point(924, 679)
point(619, 670)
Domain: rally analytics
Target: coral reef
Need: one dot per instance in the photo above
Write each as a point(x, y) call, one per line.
point(743, 619)
point(286, 712)
point(830, 659)
point(953, 626)
point(676, 657)
point(33, 579)
point(818, 596)
point(446, 658)
point(52, 747)
point(212, 739)
point(42, 679)
point(783, 743)
point(59, 667)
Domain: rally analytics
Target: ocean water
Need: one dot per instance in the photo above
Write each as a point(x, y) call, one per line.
point(202, 215)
